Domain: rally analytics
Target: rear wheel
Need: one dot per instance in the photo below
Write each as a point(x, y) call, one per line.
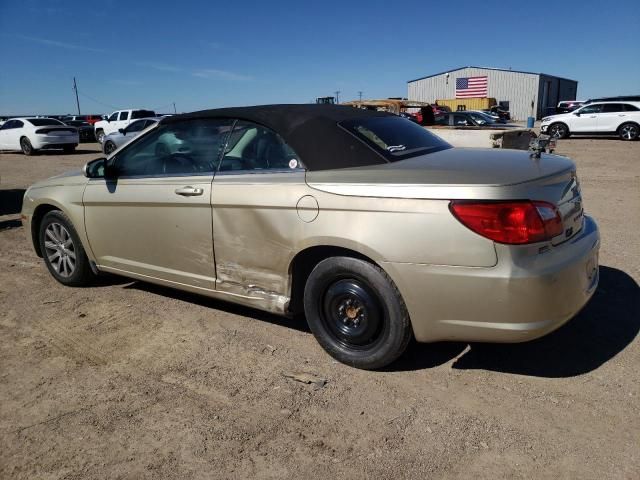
point(69, 148)
point(558, 130)
point(62, 251)
point(26, 146)
point(109, 147)
point(99, 136)
point(628, 131)
point(356, 313)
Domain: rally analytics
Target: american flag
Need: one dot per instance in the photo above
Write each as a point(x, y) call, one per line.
point(471, 87)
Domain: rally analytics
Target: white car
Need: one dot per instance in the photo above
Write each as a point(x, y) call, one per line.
point(618, 118)
point(117, 120)
point(32, 134)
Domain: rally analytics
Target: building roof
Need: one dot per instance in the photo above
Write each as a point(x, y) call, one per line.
point(491, 68)
point(311, 130)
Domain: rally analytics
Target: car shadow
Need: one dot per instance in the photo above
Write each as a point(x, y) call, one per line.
point(609, 322)
point(11, 201)
point(296, 323)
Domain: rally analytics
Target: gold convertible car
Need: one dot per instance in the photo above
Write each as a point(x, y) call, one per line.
point(374, 228)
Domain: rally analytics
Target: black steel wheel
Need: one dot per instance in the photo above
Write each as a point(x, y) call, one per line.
point(69, 149)
point(26, 146)
point(62, 250)
point(356, 312)
point(558, 130)
point(109, 147)
point(628, 131)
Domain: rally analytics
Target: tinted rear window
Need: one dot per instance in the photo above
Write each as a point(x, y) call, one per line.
point(142, 114)
point(43, 122)
point(396, 138)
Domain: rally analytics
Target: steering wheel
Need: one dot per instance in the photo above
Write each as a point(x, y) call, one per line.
point(182, 162)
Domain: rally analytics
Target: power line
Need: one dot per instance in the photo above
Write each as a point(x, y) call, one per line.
point(97, 101)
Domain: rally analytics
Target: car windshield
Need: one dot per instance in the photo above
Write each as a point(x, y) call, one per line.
point(396, 138)
point(43, 122)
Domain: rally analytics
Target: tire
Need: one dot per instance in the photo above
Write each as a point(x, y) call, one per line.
point(356, 313)
point(26, 147)
point(59, 244)
point(69, 149)
point(109, 147)
point(99, 136)
point(558, 130)
point(628, 131)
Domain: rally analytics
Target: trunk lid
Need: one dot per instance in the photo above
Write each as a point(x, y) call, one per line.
point(467, 174)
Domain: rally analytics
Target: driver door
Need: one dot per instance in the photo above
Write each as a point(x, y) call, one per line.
point(152, 217)
point(587, 121)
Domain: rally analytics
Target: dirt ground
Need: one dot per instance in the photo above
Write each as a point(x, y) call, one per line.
point(130, 380)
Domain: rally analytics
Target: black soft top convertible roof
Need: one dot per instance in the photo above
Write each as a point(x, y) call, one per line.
point(311, 130)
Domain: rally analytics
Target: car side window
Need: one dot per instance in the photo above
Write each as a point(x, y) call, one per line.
point(630, 108)
point(8, 125)
point(591, 109)
point(113, 117)
point(136, 126)
point(460, 120)
point(124, 115)
point(257, 148)
point(189, 147)
point(612, 108)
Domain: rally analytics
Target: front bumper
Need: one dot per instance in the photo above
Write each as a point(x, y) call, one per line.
point(525, 296)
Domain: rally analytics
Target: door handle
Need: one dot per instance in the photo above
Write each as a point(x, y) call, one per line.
point(189, 191)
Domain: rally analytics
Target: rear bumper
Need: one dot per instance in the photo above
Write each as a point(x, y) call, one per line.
point(525, 296)
point(54, 141)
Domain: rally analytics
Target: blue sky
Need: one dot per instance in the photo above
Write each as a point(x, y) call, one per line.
point(205, 54)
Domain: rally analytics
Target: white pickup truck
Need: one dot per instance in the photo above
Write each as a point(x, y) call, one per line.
point(118, 120)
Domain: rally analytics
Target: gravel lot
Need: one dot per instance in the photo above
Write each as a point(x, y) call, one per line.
point(130, 380)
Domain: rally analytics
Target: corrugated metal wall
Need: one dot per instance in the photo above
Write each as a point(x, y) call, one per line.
point(518, 88)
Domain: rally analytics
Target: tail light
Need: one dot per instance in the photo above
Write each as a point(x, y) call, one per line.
point(512, 222)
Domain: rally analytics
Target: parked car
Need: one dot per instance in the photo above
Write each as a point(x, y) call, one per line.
point(617, 118)
point(375, 228)
point(85, 131)
point(568, 106)
point(118, 120)
point(620, 98)
point(90, 119)
point(116, 139)
point(471, 118)
point(31, 134)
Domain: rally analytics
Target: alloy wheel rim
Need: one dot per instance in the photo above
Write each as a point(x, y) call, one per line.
point(628, 132)
point(557, 131)
point(352, 313)
point(25, 146)
point(60, 250)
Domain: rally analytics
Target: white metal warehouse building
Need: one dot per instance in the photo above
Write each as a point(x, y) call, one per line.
point(513, 89)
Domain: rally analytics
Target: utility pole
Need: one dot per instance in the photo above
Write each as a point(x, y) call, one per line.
point(360, 96)
point(174, 107)
point(75, 89)
point(337, 92)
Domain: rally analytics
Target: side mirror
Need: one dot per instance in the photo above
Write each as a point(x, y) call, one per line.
point(577, 114)
point(122, 131)
point(95, 168)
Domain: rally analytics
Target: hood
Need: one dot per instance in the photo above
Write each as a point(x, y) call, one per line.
point(557, 116)
point(72, 177)
point(435, 174)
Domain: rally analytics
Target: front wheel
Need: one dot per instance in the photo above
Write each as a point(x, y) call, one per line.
point(628, 131)
point(356, 313)
point(62, 251)
point(558, 130)
point(100, 136)
point(69, 149)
